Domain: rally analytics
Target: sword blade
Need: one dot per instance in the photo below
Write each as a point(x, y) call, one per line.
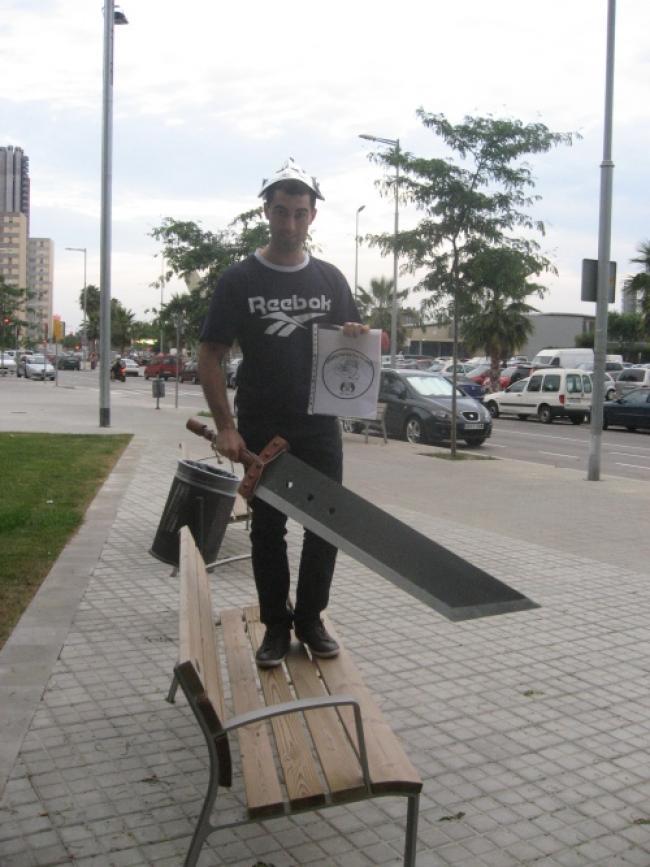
point(428, 571)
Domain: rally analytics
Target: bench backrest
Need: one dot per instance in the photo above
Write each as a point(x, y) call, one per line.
point(198, 669)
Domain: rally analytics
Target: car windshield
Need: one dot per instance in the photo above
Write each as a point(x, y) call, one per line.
point(36, 359)
point(431, 386)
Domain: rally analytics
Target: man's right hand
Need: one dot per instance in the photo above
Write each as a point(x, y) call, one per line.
point(230, 444)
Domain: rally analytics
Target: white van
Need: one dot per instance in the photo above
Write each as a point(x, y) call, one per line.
point(563, 358)
point(548, 394)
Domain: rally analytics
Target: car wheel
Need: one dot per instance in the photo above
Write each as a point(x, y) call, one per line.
point(413, 430)
point(493, 408)
point(544, 414)
point(630, 427)
point(522, 417)
point(473, 442)
point(577, 419)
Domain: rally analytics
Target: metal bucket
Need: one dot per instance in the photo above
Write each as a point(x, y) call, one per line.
point(201, 497)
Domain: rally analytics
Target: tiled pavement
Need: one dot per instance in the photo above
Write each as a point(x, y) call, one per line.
point(531, 730)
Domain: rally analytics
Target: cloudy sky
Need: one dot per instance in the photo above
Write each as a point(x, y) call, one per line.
point(211, 97)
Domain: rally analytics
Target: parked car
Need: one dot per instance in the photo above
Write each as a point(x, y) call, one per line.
point(418, 409)
point(190, 372)
point(631, 378)
point(35, 367)
point(513, 373)
point(467, 386)
point(7, 363)
point(631, 411)
point(446, 367)
point(130, 367)
point(479, 373)
point(68, 362)
point(548, 394)
point(163, 366)
point(232, 367)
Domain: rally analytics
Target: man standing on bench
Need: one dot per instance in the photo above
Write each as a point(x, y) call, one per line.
point(268, 303)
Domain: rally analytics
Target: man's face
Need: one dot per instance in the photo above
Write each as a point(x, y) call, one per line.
point(289, 220)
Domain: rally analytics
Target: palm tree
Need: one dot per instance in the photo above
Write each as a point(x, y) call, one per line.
point(495, 315)
point(639, 284)
point(375, 306)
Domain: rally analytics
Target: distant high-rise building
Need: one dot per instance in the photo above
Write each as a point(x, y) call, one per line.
point(14, 181)
point(40, 279)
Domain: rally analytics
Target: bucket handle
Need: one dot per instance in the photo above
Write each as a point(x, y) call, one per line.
point(253, 463)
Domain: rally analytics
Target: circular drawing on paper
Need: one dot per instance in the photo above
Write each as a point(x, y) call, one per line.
point(347, 373)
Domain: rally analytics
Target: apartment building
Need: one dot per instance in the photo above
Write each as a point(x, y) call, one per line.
point(40, 277)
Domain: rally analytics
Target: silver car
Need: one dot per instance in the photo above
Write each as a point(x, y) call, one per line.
point(35, 367)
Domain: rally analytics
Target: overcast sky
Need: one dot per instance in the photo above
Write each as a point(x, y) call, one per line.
point(211, 97)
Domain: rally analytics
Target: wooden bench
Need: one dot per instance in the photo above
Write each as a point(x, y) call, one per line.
point(352, 425)
point(327, 743)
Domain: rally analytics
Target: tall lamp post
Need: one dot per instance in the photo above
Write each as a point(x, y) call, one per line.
point(84, 344)
point(112, 16)
point(356, 252)
point(394, 143)
point(604, 246)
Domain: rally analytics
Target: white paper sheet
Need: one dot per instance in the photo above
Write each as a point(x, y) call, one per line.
point(345, 373)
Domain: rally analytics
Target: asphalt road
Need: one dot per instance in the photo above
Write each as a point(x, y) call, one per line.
point(560, 444)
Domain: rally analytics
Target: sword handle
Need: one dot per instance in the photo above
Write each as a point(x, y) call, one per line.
point(245, 457)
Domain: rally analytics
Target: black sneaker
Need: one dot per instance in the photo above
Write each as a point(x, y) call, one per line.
point(317, 639)
point(275, 646)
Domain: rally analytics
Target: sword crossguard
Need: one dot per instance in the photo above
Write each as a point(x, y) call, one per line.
point(255, 464)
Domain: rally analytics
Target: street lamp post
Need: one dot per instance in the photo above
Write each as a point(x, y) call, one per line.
point(356, 252)
point(394, 143)
point(604, 245)
point(111, 18)
point(84, 343)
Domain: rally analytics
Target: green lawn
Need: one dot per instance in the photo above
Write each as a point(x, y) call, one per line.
point(48, 481)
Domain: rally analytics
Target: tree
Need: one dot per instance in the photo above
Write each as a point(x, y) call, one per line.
point(12, 305)
point(375, 306)
point(475, 198)
point(199, 257)
point(92, 311)
point(625, 333)
point(495, 316)
point(121, 326)
point(639, 284)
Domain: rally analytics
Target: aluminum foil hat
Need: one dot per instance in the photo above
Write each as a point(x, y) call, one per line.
point(291, 171)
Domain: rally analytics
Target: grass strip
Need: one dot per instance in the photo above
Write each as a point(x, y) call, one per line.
point(48, 481)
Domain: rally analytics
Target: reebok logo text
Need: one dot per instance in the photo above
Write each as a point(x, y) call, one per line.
point(293, 304)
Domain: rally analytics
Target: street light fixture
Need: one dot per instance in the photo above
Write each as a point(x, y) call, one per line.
point(356, 252)
point(394, 143)
point(111, 18)
point(84, 343)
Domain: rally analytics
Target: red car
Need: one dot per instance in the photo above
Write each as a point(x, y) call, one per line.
point(480, 374)
point(513, 373)
point(163, 366)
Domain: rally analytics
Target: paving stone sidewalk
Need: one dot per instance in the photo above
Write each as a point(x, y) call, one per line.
point(531, 730)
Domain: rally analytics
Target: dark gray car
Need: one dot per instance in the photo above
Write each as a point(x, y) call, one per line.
point(418, 409)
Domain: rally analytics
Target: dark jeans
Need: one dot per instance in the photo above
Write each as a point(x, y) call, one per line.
point(316, 440)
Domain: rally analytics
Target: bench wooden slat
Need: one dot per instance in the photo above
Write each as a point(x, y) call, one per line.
point(263, 790)
point(337, 757)
point(199, 646)
point(301, 777)
point(390, 767)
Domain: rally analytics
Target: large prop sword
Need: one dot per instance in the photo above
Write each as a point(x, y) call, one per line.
point(428, 571)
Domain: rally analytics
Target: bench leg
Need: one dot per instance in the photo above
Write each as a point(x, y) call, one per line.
point(203, 827)
point(171, 695)
point(411, 830)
